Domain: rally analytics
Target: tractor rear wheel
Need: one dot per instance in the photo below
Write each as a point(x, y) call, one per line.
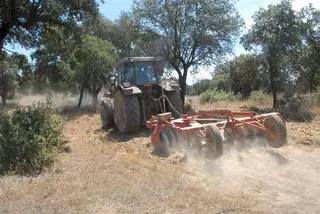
point(107, 112)
point(214, 141)
point(177, 108)
point(127, 113)
point(276, 131)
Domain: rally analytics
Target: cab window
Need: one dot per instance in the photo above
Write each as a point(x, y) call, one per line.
point(128, 73)
point(145, 73)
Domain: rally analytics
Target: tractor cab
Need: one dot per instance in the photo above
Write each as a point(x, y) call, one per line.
point(138, 71)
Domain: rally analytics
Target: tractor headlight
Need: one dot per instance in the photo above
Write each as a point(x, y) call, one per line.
point(126, 84)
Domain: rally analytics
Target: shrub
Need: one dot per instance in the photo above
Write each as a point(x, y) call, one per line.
point(29, 138)
point(216, 95)
point(259, 96)
point(188, 107)
point(296, 107)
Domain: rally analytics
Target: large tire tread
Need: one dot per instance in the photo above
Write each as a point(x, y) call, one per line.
point(280, 127)
point(133, 114)
point(175, 100)
point(132, 110)
point(214, 141)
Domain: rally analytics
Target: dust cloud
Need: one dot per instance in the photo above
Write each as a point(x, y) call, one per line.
point(59, 99)
point(277, 180)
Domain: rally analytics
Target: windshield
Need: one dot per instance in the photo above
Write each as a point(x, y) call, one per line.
point(145, 73)
point(128, 73)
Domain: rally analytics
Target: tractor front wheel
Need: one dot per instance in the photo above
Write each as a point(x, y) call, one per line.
point(107, 112)
point(127, 113)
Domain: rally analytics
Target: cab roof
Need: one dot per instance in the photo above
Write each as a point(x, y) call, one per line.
point(138, 59)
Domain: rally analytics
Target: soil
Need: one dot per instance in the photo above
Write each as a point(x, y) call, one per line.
point(106, 172)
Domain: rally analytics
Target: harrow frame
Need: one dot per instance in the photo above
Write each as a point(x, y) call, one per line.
point(198, 122)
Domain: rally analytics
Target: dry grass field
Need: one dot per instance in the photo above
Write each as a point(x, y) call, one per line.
point(112, 173)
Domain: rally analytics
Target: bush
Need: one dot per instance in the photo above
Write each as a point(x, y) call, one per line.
point(188, 107)
point(296, 107)
point(29, 138)
point(259, 96)
point(216, 95)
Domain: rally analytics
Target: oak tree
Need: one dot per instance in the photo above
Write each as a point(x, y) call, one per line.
point(193, 32)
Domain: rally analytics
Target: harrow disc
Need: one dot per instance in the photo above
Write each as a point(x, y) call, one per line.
point(162, 147)
point(177, 137)
point(249, 133)
point(276, 131)
point(214, 141)
point(240, 138)
point(194, 144)
point(171, 138)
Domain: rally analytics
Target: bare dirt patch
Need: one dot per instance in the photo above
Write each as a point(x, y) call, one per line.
point(105, 177)
point(112, 173)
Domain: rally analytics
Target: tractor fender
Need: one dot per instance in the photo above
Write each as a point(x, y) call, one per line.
point(169, 85)
point(128, 90)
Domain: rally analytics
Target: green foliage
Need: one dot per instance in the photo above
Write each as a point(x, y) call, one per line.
point(276, 32)
point(8, 77)
point(95, 59)
point(192, 33)
point(200, 87)
point(216, 95)
point(259, 96)
point(221, 82)
point(28, 22)
point(244, 74)
point(295, 107)
point(240, 75)
point(24, 76)
point(307, 61)
point(29, 138)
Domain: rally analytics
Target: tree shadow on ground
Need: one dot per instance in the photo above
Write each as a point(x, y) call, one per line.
point(73, 112)
point(113, 135)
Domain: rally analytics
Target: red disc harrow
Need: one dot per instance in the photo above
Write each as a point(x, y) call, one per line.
point(204, 130)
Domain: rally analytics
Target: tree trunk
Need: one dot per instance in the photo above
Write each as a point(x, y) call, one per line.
point(4, 99)
point(183, 83)
point(272, 74)
point(311, 85)
point(275, 99)
point(4, 30)
point(273, 88)
point(94, 99)
point(80, 99)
